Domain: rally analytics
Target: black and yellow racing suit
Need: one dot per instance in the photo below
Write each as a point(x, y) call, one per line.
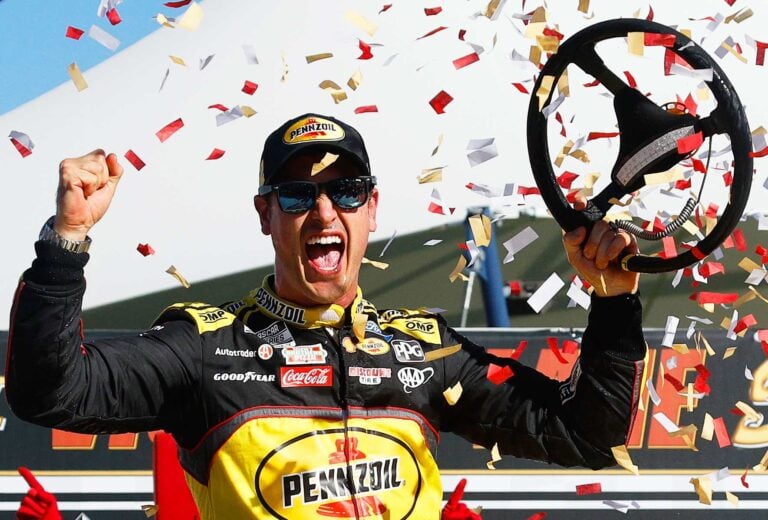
point(289, 412)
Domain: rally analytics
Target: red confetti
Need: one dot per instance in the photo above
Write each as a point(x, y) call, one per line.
point(711, 210)
point(671, 57)
point(551, 32)
point(601, 135)
point(74, 32)
point(702, 376)
point(659, 39)
point(552, 344)
point(741, 242)
point(366, 51)
point(385, 8)
point(431, 11)
point(760, 57)
point(691, 105)
point(497, 374)
point(145, 249)
point(735, 411)
point(744, 323)
point(23, 150)
point(592, 84)
point(674, 382)
point(713, 297)
point(216, 153)
point(537, 516)
point(630, 79)
point(744, 479)
point(366, 108)
point(433, 31)
point(670, 249)
point(589, 489)
point(761, 153)
point(521, 88)
point(462, 32)
point(249, 87)
point(515, 287)
point(135, 160)
point(683, 184)
point(168, 130)
point(730, 2)
point(559, 119)
point(566, 179)
point(712, 268)
point(570, 346)
point(440, 101)
point(519, 349)
point(723, 439)
point(650, 13)
point(525, 190)
point(176, 5)
point(698, 165)
point(435, 208)
point(219, 106)
point(113, 16)
point(462, 62)
point(690, 143)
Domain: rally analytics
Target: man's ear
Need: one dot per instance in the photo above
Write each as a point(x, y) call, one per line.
point(262, 208)
point(373, 204)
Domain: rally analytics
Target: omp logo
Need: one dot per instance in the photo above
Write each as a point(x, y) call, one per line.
point(408, 351)
point(752, 430)
point(210, 317)
point(414, 378)
point(313, 129)
point(420, 326)
point(244, 377)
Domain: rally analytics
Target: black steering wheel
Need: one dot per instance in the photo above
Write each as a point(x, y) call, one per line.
point(648, 140)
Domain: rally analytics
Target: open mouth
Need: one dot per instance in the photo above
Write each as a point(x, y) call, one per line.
point(324, 253)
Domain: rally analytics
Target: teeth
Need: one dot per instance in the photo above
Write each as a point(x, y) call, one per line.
point(324, 240)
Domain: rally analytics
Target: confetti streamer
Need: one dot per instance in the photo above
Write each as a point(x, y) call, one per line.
point(145, 249)
point(168, 130)
point(440, 353)
point(179, 277)
point(440, 101)
point(366, 109)
point(134, 159)
point(374, 263)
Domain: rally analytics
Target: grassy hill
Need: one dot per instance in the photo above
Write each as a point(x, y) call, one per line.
point(418, 276)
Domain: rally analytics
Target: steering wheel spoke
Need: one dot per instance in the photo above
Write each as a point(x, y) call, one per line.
point(590, 62)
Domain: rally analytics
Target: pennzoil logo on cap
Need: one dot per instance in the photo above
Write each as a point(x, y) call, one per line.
point(313, 129)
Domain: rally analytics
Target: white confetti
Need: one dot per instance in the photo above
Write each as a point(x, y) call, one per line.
point(250, 55)
point(103, 37)
point(482, 150)
point(669, 331)
point(546, 292)
point(518, 242)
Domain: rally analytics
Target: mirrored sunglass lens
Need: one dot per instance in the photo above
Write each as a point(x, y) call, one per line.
point(295, 198)
point(349, 193)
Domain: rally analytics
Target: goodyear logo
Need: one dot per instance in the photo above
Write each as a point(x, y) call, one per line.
point(313, 129)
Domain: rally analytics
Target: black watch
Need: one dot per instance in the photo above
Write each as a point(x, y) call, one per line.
point(48, 234)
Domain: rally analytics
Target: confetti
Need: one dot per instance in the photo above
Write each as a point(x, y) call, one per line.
point(334, 90)
point(432, 32)
point(498, 374)
point(113, 16)
point(249, 87)
point(145, 249)
point(22, 143)
point(460, 265)
point(453, 394)
point(545, 89)
point(440, 353)
point(584, 6)
point(177, 60)
point(74, 33)
point(176, 274)
point(495, 457)
point(176, 5)
point(354, 81)
point(703, 488)
point(545, 292)
point(552, 344)
point(520, 87)
point(482, 150)
point(205, 61)
point(168, 130)
point(77, 77)
point(432, 242)
point(460, 63)
point(366, 109)
point(327, 160)
point(103, 37)
point(366, 51)
point(431, 11)
point(361, 22)
point(358, 325)
point(430, 175)
point(215, 154)
point(519, 242)
point(134, 159)
point(440, 101)
point(589, 489)
point(733, 499)
point(374, 263)
point(480, 225)
point(723, 439)
point(669, 331)
point(191, 18)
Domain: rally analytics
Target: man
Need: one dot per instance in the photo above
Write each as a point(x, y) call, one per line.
point(302, 400)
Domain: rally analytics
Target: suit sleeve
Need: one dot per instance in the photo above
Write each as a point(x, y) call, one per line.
point(55, 379)
point(571, 423)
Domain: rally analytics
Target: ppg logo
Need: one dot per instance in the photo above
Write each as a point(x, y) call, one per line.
point(408, 351)
point(413, 377)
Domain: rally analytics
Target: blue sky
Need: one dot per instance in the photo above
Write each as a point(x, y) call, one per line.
point(34, 52)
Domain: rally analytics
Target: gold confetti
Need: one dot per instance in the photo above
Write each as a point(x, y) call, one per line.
point(748, 264)
point(440, 353)
point(149, 510)
point(749, 412)
point(729, 352)
point(545, 88)
point(739, 16)
point(562, 84)
point(334, 90)
point(763, 464)
point(539, 15)
point(490, 10)
point(584, 6)
point(733, 499)
point(548, 43)
point(284, 75)
point(176, 274)
point(636, 43)
point(191, 18)
point(348, 344)
point(495, 457)
point(77, 77)
point(354, 81)
point(247, 111)
point(453, 394)
point(622, 457)
point(460, 265)
point(563, 153)
point(439, 144)
point(327, 160)
point(374, 263)
point(481, 229)
point(663, 177)
point(177, 60)
point(703, 487)
point(361, 22)
point(707, 346)
point(358, 325)
point(708, 429)
point(317, 57)
point(162, 20)
point(733, 51)
point(680, 348)
point(535, 56)
point(430, 175)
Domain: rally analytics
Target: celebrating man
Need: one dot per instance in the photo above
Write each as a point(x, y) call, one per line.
point(302, 400)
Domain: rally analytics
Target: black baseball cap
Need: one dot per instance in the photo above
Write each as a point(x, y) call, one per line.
point(310, 132)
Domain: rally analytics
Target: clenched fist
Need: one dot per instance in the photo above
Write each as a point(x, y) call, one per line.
point(86, 187)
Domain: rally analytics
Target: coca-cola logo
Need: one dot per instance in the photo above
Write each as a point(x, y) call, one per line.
point(293, 377)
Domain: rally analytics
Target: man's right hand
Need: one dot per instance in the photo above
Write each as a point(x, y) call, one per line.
point(86, 187)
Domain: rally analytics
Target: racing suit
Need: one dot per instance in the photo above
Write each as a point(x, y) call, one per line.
point(283, 411)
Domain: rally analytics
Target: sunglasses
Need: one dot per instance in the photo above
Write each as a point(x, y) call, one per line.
point(300, 196)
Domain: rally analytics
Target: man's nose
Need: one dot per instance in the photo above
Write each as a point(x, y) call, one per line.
point(324, 208)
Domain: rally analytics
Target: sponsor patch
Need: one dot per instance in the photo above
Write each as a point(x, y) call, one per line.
point(276, 334)
point(373, 346)
point(424, 329)
point(296, 377)
point(265, 351)
point(408, 351)
point(304, 354)
point(279, 309)
point(413, 377)
point(241, 353)
point(313, 129)
point(568, 389)
point(244, 377)
point(370, 375)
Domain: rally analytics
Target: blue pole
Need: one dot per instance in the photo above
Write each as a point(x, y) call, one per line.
point(490, 275)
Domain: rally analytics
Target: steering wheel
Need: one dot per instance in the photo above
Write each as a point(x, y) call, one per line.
point(649, 135)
